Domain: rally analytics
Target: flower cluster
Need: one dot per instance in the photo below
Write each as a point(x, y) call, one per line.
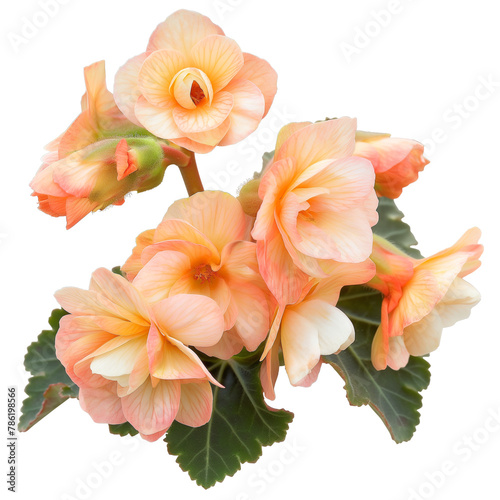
point(222, 275)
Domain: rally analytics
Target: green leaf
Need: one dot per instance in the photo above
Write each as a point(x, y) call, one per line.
point(393, 395)
point(391, 227)
point(240, 426)
point(50, 385)
point(124, 429)
point(118, 270)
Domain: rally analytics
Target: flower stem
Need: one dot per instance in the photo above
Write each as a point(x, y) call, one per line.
point(191, 176)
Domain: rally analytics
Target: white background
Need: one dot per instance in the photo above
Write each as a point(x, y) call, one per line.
point(408, 80)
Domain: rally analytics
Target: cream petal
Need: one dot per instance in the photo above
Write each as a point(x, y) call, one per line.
point(458, 302)
point(424, 336)
point(119, 361)
point(398, 355)
point(299, 341)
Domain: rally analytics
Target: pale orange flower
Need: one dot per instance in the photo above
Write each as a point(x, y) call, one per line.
point(131, 361)
point(194, 86)
point(318, 205)
point(397, 162)
point(421, 297)
point(202, 247)
point(312, 327)
point(91, 166)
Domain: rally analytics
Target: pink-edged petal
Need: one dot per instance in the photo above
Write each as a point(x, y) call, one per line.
point(192, 319)
point(247, 111)
point(332, 139)
point(102, 404)
point(195, 408)
point(182, 30)
point(158, 276)
point(158, 120)
point(205, 210)
point(219, 57)
point(284, 279)
point(309, 380)
point(157, 72)
point(126, 88)
point(151, 410)
point(260, 72)
point(205, 116)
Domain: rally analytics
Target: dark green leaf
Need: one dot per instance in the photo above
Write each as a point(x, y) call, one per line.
point(117, 270)
point(241, 424)
point(391, 227)
point(123, 429)
point(393, 395)
point(50, 385)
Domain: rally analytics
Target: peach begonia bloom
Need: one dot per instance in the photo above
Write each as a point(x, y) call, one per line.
point(397, 162)
point(131, 360)
point(318, 205)
point(194, 86)
point(312, 327)
point(421, 297)
point(200, 247)
point(91, 165)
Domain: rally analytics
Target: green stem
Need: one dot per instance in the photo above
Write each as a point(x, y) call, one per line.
point(191, 176)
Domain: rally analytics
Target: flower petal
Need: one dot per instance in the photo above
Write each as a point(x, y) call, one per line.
point(219, 57)
point(102, 404)
point(195, 408)
point(182, 30)
point(247, 111)
point(260, 72)
point(158, 120)
point(126, 88)
point(192, 319)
